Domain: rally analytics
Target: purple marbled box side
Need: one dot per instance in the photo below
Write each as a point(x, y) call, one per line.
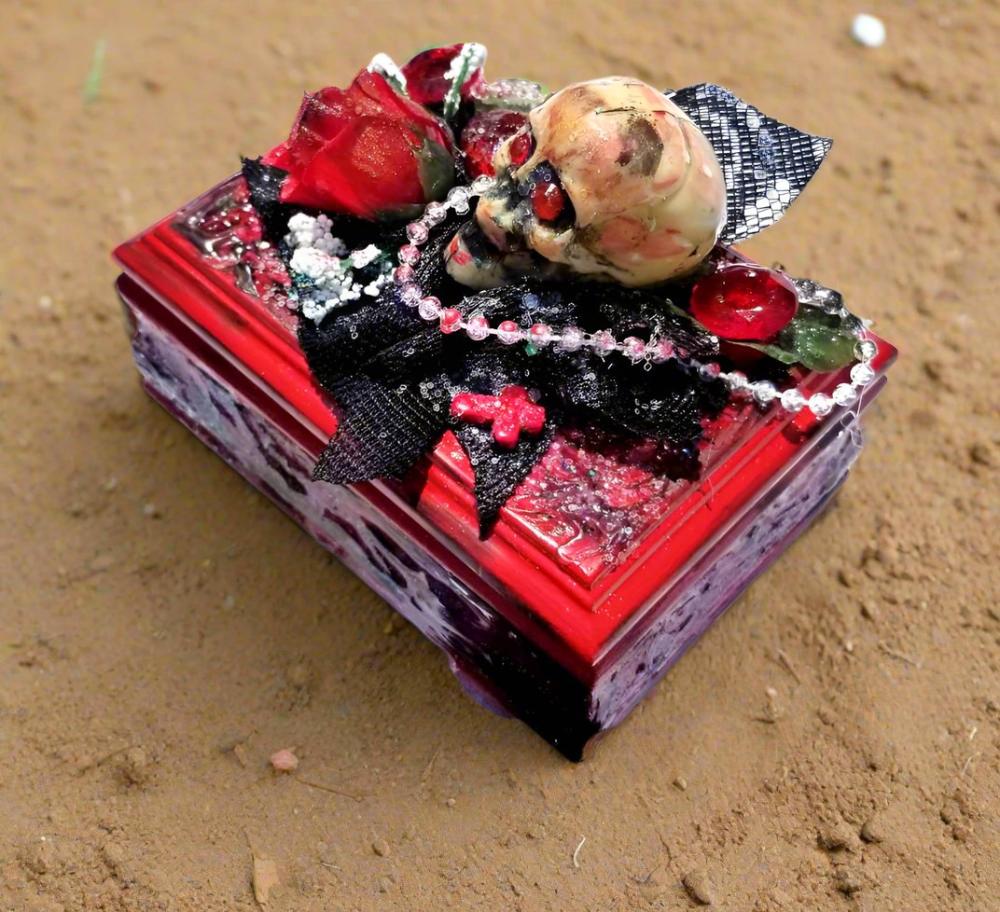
point(495, 662)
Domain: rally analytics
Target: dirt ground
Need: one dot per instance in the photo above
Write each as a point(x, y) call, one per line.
point(833, 743)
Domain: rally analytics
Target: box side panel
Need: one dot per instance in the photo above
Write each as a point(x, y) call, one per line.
point(498, 664)
point(709, 587)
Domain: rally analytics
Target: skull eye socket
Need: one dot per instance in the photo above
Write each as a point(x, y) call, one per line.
point(521, 148)
point(485, 133)
point(549, 200)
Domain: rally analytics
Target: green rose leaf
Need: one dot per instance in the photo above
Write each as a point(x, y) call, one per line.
point(815, 339)
point(436, 168)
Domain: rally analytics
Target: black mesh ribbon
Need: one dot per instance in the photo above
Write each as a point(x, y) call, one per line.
point(765, 163)
point(381, 434)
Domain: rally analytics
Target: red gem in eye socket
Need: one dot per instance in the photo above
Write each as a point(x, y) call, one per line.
point(521, 148)
point(548, 200)
point(484, 134)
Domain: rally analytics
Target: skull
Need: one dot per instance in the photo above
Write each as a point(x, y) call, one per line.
point(619, 185)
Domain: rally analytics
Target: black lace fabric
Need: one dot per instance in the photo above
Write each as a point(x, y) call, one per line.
point(765, 163)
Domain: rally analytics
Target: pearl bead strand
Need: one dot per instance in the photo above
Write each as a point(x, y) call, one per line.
point(603, 342)
point(792, 400)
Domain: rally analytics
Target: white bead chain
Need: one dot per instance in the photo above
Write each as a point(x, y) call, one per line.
point(569, 338)
point(764, 392)
point(572, 338)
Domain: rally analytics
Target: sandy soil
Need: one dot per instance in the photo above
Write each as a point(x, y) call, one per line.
point(833, 743)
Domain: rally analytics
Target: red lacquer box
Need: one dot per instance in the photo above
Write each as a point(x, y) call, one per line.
point(602, 569)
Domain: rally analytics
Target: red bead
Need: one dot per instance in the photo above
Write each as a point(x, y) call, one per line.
point(508, 332)
point(548, 200)
point(744, 302)
point(450, 318)
point(663, 351)
point(484, 134)
point(540, 333)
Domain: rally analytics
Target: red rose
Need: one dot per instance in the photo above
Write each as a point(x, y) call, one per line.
point(366, 151)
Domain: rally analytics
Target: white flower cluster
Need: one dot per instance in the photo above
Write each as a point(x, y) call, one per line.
point(325, 261)
point(365, 256)
point(325, 270)
point(306, 231)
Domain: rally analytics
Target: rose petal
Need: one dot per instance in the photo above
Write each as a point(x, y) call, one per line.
point(375, 87)
point(374, 94)
point(369, 167)
point(322, 115)
point(278, 157)
point(365, 151)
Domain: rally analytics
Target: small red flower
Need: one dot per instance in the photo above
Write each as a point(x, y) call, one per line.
point(365, 151)
point(426, 82)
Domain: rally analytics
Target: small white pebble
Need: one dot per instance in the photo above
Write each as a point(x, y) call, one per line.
point(284, 761)
point(868, 30)
point(45, 302)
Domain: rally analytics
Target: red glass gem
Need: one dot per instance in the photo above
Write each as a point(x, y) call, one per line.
point(521, 148)
point(511, 413)
point(426, 82)
point(548, 200)
point(484, 134)
point(743, 302)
